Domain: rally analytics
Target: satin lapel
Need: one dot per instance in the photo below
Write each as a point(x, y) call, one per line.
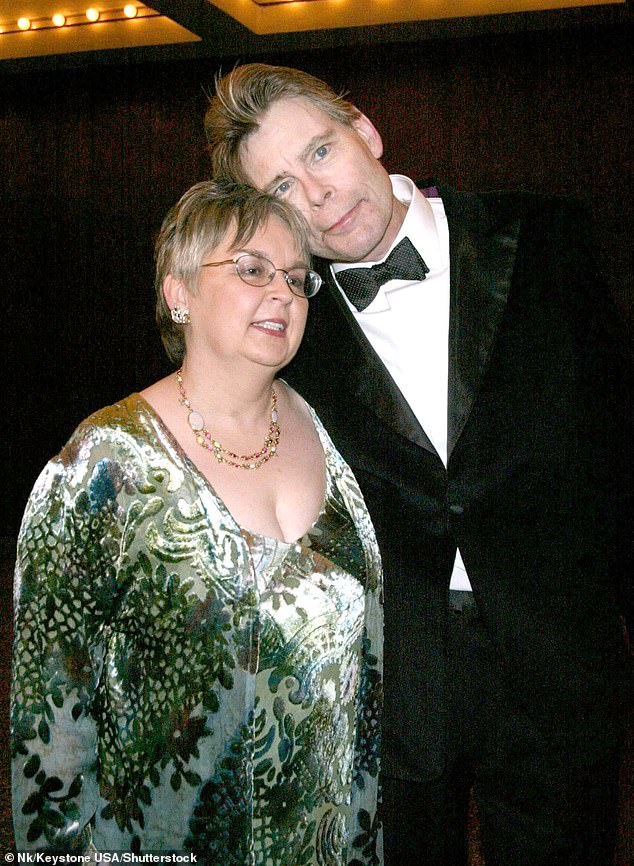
point(360, 370)
point(482, 260)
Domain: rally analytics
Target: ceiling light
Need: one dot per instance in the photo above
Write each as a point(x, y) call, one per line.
point(24, 24)
point(92, 14)
point(59, 20)
point(130, 10)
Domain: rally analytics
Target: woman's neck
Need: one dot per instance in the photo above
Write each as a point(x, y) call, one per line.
point(235, 398)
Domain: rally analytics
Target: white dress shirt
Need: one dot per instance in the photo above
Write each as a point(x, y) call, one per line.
point(407, 324)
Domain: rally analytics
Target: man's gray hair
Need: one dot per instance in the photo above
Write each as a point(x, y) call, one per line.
point(243, 96)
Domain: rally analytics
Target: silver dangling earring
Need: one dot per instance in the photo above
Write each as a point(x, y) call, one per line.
point(180, 315)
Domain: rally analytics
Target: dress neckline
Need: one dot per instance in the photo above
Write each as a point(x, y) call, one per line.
point(202, 479)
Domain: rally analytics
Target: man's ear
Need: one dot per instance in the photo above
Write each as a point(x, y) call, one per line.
point(370, 134)
point(174, 292)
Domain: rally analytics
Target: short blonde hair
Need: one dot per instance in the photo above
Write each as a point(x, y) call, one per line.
point(200, 221)
point(245, 94)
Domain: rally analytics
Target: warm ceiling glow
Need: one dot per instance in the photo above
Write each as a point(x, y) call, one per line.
point(275, 2)
point(72, 26)
point(283, 16)
point(75, 18)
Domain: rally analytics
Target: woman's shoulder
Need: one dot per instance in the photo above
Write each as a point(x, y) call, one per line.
point(125, 431)
point(302, 409)
point(98, 442)
point(295, 401)
point(301, 406)
point(125, 414)
point(129, 417)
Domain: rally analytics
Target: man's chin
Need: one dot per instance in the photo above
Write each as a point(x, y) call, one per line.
point(345, 251)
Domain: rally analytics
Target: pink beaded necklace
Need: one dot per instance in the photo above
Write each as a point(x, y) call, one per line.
point(223, 455)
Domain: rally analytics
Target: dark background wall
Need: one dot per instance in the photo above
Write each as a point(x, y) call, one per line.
point(91, 158)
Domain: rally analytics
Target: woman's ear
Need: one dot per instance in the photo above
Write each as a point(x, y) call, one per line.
point(364, 127)
point(174, 292)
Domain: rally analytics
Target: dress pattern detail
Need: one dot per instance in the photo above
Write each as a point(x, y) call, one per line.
point(182, 685)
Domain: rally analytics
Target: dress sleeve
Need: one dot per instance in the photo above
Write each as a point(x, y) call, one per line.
point(56, 667)
point(364, 830)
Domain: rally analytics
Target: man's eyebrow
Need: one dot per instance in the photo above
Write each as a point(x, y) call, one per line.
point(303, 157)
point(314, 143)
point(271, 186)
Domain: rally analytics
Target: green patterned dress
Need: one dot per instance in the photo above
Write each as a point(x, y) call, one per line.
point(182, 685)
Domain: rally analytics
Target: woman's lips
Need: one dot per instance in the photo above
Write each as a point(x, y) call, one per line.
point(274, 327)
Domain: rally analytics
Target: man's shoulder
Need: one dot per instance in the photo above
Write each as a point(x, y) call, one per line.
point(503, 204)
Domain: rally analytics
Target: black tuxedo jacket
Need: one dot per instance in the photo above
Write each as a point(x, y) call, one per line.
point(532, 493)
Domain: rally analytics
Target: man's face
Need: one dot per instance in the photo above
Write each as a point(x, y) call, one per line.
point(331, 173)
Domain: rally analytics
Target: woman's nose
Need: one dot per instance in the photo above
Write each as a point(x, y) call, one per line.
point(279, 287)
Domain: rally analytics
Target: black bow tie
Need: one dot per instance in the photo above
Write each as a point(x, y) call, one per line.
point(361, 285)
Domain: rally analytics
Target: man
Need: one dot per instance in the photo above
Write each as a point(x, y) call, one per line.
point(471, 379)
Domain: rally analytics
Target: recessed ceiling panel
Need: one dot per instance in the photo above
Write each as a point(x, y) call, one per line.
point(112, 29)
point(285, 16)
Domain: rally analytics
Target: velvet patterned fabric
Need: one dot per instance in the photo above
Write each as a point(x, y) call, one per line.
point(181, 684)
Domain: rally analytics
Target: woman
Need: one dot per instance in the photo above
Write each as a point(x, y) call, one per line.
point(198, 637)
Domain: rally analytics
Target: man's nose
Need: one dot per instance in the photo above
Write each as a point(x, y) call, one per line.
point(316, 191)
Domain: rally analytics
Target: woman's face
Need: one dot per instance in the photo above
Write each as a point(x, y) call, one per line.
point(233, 323)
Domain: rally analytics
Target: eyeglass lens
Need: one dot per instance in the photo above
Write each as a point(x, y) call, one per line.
point(258, 271)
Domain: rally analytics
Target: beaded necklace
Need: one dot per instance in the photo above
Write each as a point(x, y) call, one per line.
point(223, 455)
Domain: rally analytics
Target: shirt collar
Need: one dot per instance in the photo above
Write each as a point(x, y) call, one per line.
point(419, 226)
